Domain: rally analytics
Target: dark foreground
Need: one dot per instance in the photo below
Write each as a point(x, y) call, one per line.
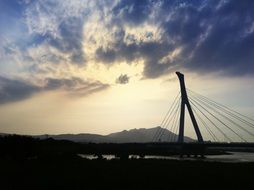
point(72, 172)
point(27, 163)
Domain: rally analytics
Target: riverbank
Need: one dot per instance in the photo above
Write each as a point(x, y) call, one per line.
point(73, 172)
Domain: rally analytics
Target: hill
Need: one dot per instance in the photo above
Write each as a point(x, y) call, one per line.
point(127, 136)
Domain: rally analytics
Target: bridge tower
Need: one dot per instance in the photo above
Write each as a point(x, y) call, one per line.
point(185, 101)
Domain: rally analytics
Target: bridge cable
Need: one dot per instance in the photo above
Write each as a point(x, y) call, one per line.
point(177, 126)
point(206, 126)
point(229, 113)
point(175, 129)
point(173, 115)
point(170, 138)
point(230, 120)
point(223, 106)
point(227, 109)
point(173, 121)
point(225, 136)
point(163, 128)
point(223, 123)
point(165, 117)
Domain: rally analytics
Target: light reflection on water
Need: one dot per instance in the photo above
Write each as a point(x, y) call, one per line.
point(232, 157)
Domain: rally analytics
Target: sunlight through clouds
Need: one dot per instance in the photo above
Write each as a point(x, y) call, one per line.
point(120, 54)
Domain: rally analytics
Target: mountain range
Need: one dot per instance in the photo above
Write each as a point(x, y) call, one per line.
point(141, 135)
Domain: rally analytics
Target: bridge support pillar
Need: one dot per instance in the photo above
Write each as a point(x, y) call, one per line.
point(185, 101)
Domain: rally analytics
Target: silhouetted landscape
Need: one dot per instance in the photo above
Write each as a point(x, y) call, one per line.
point(131, 136)
point(28, 163)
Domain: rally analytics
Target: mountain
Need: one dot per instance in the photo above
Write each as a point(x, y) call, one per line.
point(83, 137)
point(134, 135)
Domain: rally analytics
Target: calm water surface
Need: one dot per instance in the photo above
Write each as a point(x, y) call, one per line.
point(232, 157)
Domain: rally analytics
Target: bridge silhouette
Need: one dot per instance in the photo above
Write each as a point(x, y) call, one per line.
point(220, 122)
point(224, 128)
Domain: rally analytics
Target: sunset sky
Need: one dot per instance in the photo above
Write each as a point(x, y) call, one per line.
point(102, 66)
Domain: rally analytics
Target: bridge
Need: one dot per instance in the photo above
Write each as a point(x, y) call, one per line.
point(220, 123)
point(223, 129)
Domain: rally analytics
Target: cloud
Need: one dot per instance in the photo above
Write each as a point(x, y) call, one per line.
point(70, 39)
point(48, 37)
point(213, 36)
point(123, 79)
point(60, 23)
point(12, 90)
point(133, 12)
point(75, 86)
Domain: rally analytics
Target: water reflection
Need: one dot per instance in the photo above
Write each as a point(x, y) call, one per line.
point(232, 157)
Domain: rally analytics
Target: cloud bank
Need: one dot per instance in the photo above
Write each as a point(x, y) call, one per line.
point(12, 90)
point(42, 38)
point(201, 36)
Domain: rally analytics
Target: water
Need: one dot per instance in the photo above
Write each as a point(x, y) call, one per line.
point(233, 157)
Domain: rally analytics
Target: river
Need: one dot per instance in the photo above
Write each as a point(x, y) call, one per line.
point(233, 157)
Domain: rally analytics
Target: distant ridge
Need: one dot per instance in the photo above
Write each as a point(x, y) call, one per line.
point(141, 135)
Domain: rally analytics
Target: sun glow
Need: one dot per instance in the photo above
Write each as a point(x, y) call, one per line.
point(109, 73)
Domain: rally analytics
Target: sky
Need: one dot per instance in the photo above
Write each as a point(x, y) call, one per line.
point(101, 66)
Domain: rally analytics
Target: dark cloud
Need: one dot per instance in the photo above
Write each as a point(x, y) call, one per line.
point(212, 36)
point(12, 90)
point(106, 55)
point(132, 11)
point(123, 79)
point(229, 45)
point(59, 24)
point(70, 39)
point(151, 52)
point(75, 85)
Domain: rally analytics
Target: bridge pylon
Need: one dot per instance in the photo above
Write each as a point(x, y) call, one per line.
point(185, 102)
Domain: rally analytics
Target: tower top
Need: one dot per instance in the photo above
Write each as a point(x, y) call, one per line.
point(179, 74)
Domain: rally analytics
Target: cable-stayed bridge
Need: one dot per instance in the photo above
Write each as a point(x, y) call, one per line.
point(218, 129)
point(218, 122)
